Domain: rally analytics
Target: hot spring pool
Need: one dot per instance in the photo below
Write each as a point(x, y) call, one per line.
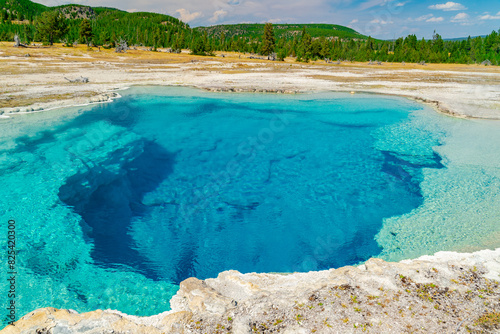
point(115, 204)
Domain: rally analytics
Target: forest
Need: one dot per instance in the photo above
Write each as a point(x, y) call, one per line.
point(281, 30)
point(408, 49)
point(100, 26)
point(108, 25)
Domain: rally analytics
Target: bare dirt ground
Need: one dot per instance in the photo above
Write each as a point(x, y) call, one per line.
point(33, 79)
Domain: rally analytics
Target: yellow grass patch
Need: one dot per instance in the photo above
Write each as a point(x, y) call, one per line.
point(15, 101)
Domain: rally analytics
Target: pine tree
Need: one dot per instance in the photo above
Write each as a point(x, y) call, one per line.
point(268, 40)
point(86, 31)
point(51, 25)
point(222, 41)
point(303, 33)
point(282, 53)
point(305, 47)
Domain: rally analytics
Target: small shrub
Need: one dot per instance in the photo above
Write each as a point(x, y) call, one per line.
point(489, 321)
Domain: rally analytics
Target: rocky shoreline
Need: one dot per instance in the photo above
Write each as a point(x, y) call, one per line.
point(98, 98)
point(448, 292)
point(111, 95)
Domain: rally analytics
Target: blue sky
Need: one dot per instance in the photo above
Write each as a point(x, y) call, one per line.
point(383, 19)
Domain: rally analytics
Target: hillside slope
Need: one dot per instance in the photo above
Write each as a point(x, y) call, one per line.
point(26, 8)
point(108, 24)
point(287, 31)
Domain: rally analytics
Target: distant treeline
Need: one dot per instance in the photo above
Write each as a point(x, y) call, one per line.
point(409, 49)
point(101, 26)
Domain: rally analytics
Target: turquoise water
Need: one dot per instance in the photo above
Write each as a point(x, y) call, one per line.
point(115, 204)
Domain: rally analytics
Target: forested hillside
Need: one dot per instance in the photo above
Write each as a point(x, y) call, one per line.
point(20, 9)
point(108, 26)
point(287, 31)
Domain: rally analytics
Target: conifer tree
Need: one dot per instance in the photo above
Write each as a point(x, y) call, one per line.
point(86, 31)
point(305, 46)
point(222, 41)
point(51, 25)
point(268, 40)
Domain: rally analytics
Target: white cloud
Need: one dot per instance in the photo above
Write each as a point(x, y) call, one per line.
point(435, 19)
point(460, 17)
point(423, 17)
point(391, 6)
point(377, 21)
point(449, 6)
point(219, 14)
point(490, 17)
point(186, 16)
point(401, 4)
point(253, 11)
point(372, 3)
point(352, 23)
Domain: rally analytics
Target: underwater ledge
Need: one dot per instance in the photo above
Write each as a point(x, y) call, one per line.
point(445, 292)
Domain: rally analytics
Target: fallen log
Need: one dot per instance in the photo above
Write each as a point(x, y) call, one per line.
point(80, 79)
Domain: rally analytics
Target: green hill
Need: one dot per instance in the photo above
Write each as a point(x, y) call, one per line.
point(459, 39)
point(26, 8)
point(108, 24)
point(287, 31)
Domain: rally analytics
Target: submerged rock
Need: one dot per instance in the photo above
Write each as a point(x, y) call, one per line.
point(447, 292)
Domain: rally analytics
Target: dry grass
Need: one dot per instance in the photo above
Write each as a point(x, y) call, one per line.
point(10, 101)
point(234, 72)
point(57, 62)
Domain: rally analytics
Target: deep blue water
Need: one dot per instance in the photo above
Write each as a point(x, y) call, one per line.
point(169, 183)
point(266, 187)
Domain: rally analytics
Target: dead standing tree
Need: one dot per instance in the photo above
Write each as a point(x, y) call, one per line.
point(17, 42)
point(121, 46)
